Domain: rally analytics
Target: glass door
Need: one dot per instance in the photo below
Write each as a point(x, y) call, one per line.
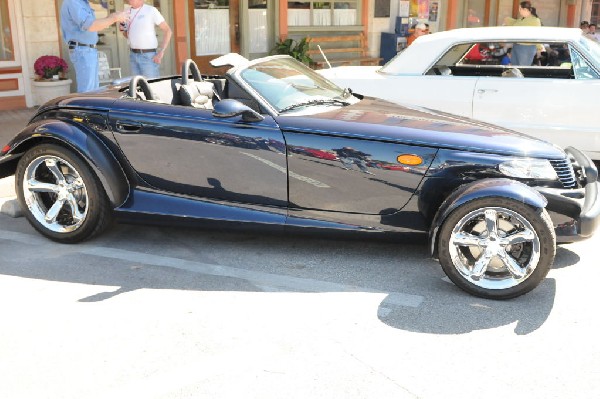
point(215, 30)
point(7, 48)
point(12, 82)
point(256, 41)
point(107, 38)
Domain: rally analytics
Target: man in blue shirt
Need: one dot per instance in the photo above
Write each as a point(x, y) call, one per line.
point(80, 28)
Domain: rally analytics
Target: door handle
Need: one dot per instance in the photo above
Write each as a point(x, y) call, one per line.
point(481, 91)
point(128, 127)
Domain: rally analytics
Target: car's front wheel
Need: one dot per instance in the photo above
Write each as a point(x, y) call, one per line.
point(59, 194)
point(497, 248)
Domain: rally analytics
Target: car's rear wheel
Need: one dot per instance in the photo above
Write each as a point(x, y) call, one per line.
point(59, 194)
point(497, 248)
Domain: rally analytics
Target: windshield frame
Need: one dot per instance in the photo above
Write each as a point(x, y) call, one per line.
point(591, 50)
point(237, 74)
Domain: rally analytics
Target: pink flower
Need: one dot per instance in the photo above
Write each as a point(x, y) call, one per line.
point(49, 65)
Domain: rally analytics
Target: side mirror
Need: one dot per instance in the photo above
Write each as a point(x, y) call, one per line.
point(229, 108)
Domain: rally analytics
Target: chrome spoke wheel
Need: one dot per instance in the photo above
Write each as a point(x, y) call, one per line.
point(55, 194)
point(494, 248)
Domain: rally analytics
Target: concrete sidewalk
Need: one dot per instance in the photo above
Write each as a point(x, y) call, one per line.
point(11, 122)
point(8, 199)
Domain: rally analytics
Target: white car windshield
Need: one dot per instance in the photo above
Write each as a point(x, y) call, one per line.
point(592, 47)
point(287, 84)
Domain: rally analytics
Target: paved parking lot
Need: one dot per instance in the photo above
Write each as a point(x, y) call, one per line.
point(166, 313)
point(159, 312)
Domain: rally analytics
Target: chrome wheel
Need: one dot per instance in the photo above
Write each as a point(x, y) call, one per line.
point(55, 194)
point(494, 248)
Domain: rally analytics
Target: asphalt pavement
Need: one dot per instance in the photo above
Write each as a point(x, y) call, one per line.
point(170, 313)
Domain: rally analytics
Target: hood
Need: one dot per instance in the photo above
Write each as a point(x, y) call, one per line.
point(377, 119)
point(351, 71)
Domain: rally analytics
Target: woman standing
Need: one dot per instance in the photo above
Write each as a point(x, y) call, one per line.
point(523, 53)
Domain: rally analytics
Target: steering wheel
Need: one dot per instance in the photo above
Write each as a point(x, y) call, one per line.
point(140, 81)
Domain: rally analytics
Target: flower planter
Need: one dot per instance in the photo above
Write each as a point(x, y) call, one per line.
point(46, 90)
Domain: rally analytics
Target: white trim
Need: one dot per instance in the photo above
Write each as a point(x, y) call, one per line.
point(20, 43)
point(17, 51)
point(11, 93)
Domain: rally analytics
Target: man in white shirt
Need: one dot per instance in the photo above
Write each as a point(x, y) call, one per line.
point(145, 54)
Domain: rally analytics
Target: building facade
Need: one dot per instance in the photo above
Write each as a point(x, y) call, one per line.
point(203, 29)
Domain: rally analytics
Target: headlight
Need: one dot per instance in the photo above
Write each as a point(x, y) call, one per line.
point(527, 168)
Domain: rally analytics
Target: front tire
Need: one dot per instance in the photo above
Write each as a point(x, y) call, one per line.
point(60, 196)
point(497, 248)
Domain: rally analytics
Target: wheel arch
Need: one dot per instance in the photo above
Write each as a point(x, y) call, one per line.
point(86, 144)
point(487, 188)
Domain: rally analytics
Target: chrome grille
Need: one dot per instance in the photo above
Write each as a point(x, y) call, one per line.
point(564, 170)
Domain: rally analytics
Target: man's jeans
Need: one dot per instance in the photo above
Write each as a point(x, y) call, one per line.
point(85, 62)
point(142, 64)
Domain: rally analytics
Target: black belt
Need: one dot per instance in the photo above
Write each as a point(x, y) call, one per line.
point(72, 45)
point(141, 51)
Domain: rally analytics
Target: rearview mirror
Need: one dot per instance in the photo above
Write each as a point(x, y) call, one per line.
point(229, 108)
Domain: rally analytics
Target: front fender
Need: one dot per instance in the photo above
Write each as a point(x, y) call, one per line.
point(504, 188)
point(86, 143)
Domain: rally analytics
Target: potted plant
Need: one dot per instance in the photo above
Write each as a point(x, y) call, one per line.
point(50, 67)
point(50, 80)
point(297, 50)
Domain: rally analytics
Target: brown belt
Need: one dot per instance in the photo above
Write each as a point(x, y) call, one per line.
point(73, 44)
point(141, 51)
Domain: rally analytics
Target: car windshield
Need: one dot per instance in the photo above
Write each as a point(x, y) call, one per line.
point(287, 84)
point(592, 47)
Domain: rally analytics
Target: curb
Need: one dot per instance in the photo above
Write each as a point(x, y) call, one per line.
point(10, 207)
point(8, 199)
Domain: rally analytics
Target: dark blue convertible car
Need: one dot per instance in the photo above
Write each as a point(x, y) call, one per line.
point(273, 144)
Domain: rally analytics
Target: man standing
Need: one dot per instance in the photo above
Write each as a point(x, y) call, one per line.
point(80, 28)
point(145, 55)
point(592, 34)
point(419, 30)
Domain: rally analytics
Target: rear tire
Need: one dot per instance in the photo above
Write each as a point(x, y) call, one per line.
point(497, 248)
point(60, 196)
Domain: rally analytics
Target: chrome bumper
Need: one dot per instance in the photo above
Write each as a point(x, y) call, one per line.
point(575, 213)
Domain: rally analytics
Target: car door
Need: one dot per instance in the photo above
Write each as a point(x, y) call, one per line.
point(338, 174)
point(453, 94)
point(447, 93)
point(334, 169)
point(558, 105)
point(188, 151)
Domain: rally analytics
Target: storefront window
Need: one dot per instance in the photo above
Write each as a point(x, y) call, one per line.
point(211, 19)
point(475, 13)
point(315, 13)
point(6, 42)
point(258, 26)
point(505, 9)
point(595, 14)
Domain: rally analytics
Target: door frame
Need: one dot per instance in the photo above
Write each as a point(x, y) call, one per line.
point(16, 70)
point(234, 37)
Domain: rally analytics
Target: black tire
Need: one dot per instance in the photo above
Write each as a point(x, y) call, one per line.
point(480, 266)
point(63, 200)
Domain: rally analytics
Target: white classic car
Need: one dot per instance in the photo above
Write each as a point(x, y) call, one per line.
point(468, 72)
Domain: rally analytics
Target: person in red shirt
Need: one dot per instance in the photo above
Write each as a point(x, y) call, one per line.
point(420, 30)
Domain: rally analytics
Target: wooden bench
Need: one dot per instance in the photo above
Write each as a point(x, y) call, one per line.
point(340, 50)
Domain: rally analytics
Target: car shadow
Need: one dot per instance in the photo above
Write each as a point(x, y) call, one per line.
point(564, 258)
point(313, 265)
point(449, 312)
point(527, 312)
